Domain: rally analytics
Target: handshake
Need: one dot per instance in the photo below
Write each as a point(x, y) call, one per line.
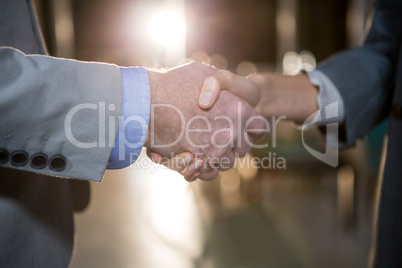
point(203, 118)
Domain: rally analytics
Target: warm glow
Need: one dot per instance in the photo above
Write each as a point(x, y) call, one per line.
point(246, 168)
point(201, 56)
point(292, 63)
point(167, 27)
point(308, 60)
point(167, 214)
point(246, 68)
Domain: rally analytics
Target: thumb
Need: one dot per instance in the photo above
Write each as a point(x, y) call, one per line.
point(237, 85)
point(157, 158)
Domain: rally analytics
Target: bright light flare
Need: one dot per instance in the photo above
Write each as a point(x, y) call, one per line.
point(167, 27)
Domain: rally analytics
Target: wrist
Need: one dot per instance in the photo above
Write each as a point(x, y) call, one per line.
point(156, 84)
point(294, 97)
point(306, 104)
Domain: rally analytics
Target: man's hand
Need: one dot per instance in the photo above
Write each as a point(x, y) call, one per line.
point(225, 80)
point(178, 125)
point(271, 94)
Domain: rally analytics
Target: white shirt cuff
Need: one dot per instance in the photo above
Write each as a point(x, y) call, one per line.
point(330, 102)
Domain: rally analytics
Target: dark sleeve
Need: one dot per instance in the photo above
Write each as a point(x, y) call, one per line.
point(365, 76)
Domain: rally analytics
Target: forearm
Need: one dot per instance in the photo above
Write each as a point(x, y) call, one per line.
point(294, 97)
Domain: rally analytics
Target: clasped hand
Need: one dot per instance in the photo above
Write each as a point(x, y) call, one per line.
point(202, 118)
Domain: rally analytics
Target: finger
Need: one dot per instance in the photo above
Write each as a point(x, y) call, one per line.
point(193, 177)
point(262, 80)
point(254, 124)
point(192, 168)
point(239, 86)
point(179, 162)
point(157, 158)
point(245, 148)
point(210, 92)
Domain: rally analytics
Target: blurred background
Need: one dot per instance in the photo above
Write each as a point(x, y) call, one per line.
point(299, 213)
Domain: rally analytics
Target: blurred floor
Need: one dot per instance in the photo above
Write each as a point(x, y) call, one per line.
point(278, 219)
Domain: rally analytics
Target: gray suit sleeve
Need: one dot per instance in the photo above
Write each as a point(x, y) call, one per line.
point(58, 117)
point(365, 76)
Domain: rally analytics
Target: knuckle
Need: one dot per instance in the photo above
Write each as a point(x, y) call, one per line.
point(224, 74)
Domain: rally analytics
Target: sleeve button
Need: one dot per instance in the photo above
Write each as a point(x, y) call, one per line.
point(19, 158)
point(57, 163)
point(39, 161)
point(4, 156)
